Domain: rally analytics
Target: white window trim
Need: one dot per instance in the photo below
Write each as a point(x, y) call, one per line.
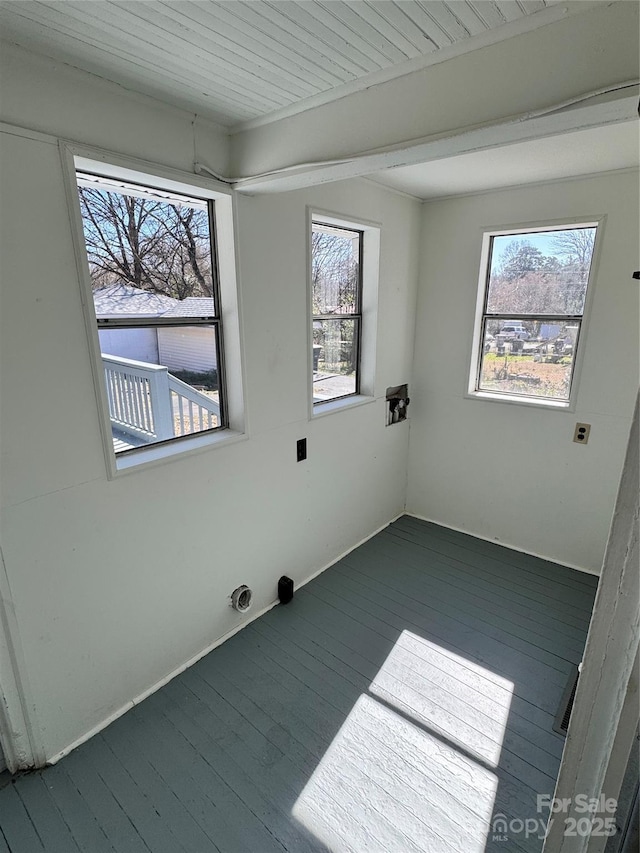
point(475, 355)
point(369, 311)
point(79, 157)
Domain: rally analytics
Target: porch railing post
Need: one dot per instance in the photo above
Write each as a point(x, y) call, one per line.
point(161, 407)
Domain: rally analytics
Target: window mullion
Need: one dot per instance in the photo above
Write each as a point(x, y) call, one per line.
point(534, 318)
point(154, 322)
point(337, 316)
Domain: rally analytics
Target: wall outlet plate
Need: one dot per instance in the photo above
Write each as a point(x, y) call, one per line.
point(581, 433)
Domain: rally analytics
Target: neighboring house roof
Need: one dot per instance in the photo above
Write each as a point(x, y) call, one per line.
point(123, 298)
point(118, 299)
point(192, 306)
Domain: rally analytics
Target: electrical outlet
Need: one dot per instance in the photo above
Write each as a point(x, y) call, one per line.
point(301, 449)
point(581, 434)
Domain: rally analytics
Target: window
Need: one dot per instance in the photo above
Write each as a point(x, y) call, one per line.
point(154, 278)
point(530, 312)
point(336, 297)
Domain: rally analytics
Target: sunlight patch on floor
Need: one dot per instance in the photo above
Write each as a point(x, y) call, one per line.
point(411, 767)
point(456, 698)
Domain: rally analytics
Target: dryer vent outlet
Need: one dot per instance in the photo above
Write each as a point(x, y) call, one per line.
point(241, 599)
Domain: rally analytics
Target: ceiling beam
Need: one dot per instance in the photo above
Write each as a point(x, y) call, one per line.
point(530, 86)
point(619, 106)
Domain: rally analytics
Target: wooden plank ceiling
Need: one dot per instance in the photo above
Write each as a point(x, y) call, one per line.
point(237, 61)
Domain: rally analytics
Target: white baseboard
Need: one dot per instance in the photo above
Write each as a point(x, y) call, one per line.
point(178, 670)
point(503, 544)
point(154, 687)
point(353, 548)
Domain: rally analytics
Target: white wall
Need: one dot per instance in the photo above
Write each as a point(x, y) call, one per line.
point(98, 596)
point(510, 472)
point(52, 97)
point(113, 584)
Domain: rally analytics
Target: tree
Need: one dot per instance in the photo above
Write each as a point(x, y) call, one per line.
point(334, 273)
point(532, 293)
point(576, 249)
point(519, 258)
point(334, 284)
point(151, 244)
point(527, 282)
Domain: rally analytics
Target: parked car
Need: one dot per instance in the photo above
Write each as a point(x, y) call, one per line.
point(515, 330)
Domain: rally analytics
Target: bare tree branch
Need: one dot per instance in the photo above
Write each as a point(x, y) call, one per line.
point(153, 245)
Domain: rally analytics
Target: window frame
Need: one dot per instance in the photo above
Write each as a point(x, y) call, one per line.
point(204, 321)
point(78, 158)
point(355, 316)
point(473, 390)
point(366, 321)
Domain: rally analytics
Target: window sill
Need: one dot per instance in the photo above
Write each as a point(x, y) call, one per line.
point(331, 406)
point(558, 405)
point(159, 454)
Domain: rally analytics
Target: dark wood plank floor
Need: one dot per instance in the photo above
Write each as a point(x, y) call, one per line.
point(402, 701)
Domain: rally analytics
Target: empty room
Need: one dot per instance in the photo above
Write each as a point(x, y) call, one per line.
point(319, 357)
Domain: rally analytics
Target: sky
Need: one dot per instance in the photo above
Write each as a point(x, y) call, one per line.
point(542, 241)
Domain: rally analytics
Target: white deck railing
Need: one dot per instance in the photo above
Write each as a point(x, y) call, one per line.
point(192, 411)
point(149, 403)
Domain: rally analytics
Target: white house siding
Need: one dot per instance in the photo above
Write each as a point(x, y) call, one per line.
point(139, 344)
point(188, 348)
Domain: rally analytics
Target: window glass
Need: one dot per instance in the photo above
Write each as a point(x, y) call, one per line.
point(335, 264)
point(534, 300)
point(153, 273)
point(540, 273)
point(335, 354)
point(336, 295)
